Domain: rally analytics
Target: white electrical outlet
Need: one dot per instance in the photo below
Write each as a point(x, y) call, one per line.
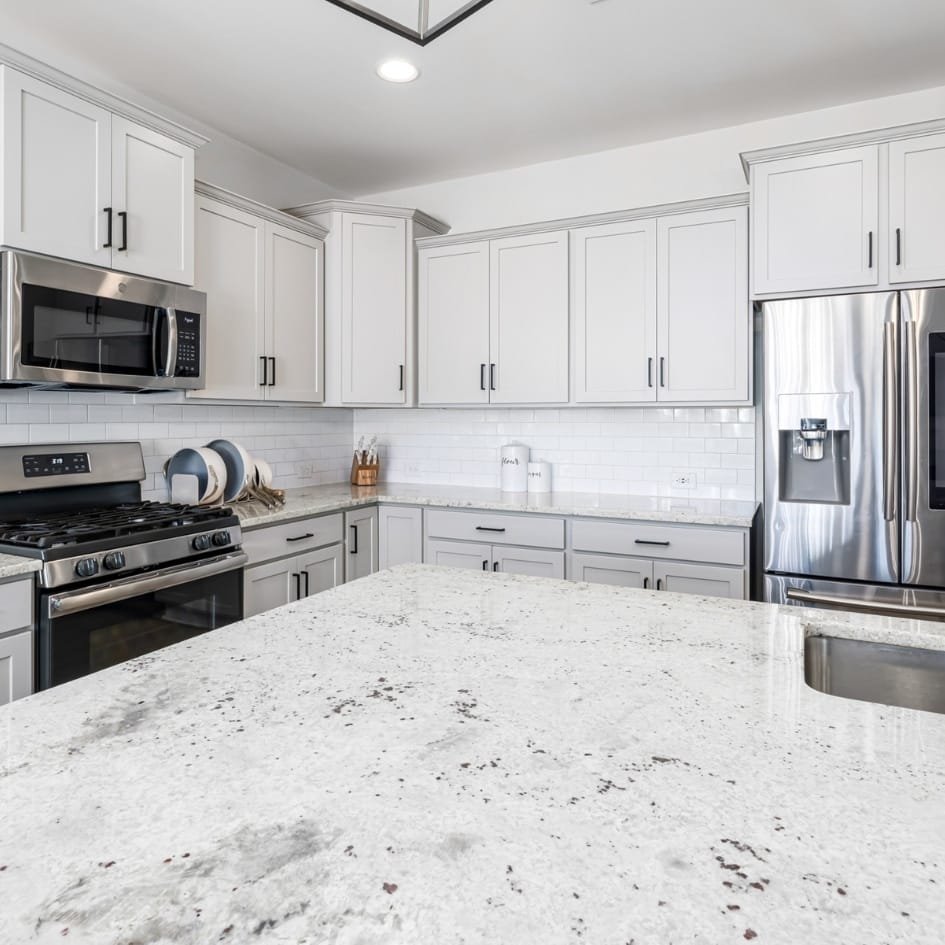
point(685, 481)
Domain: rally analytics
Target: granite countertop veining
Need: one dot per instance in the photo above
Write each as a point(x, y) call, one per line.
point(317, 500)
point(430, 756)
point(14, 565)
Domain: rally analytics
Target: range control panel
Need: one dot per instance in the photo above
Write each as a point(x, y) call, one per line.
point(188, 344)
point(55, 464)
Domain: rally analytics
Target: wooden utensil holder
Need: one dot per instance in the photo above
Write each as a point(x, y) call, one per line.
point(364, 474)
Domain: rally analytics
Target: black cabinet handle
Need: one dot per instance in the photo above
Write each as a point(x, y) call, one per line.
point(646, 583)
point(898, 246)
point(491, 377)
point(486, 528)
point(301, 537)
point(123, 216)
point(298, 585)
point(482, 377)
point(305, 575)
point(354, 550)
point(659, 584)
point(662, 372)
point(485, 565)
point(265, 371)
point(495, 565)
point(401, 378)
point(870, 263)
point(108, 239)
point(272, 380)
point(644, 541)
point(649, 372)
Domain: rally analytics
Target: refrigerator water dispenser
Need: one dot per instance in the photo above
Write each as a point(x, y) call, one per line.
point(814, 447)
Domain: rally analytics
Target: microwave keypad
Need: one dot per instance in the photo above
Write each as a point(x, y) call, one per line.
point(188, 347)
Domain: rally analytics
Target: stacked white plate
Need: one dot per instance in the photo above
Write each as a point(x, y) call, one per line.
point(221, 471)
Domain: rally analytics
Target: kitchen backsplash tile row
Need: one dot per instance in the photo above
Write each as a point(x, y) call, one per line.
point(304, 445)
point(622, 450)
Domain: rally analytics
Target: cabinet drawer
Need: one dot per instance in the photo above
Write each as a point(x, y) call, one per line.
point(495, 528)
point(276, 541)
point(681, 542)
point(16, 605)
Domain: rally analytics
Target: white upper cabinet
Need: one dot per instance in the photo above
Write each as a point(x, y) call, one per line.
point(453, 299)
point(613, 315)
point(816, 221)
point(87, 185)
point(294, 316)
point(57, 178)
point(230, 268)
point(916, 242)
point(153, 193)
point(704, 316)
point(374, 309)
point(529, 319)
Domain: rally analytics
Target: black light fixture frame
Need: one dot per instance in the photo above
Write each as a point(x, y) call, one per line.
point(378, 19)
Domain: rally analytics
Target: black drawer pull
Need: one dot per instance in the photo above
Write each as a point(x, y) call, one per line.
point(495, 566)
point(298, 586)
point(354, 550)
point(659, 584)
point(108, 239)
point(643, 541)
point(485, 565)
point(646, 583)
point(302, 537)
point(485, 528)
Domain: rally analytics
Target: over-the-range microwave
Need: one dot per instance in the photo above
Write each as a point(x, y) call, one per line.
point(68, 325)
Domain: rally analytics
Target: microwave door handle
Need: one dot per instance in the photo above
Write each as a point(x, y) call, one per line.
point(170, 367)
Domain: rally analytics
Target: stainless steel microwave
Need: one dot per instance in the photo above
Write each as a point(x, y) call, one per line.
point(67, 325)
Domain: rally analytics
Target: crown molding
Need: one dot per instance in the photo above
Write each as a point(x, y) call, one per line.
point(855, 140)
point(307, 210)
point(595, 219)
point(96, 96)
point(238, 202)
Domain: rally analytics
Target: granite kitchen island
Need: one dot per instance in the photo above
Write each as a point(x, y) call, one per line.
point(430, 756)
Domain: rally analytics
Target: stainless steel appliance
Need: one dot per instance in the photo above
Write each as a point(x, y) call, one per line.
point(855, 452)
point(120, 577)
point(67, 325)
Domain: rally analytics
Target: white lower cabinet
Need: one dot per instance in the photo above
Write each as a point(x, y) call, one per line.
point(610, 569)
point(16, 639)
point(458, 554)
point(399, 535)
point(682, 578)
point(501, 559)
point(361, 544)
point(270, 585)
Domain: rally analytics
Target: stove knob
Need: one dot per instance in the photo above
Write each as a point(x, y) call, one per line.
point(201, 543)
point(221, 538)
point(86, 568)
point(114, 561)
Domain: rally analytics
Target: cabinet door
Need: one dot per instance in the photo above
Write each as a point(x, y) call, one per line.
point(229, 267)
point(321, 570)
point(816, 221)
point(529, 319)
point(16, 666)
point(458, 554)
point(57, 180)
point(267, 586)
point(360, 543)
point(295, 316)
point(604, 569)
point(614, 314)
point(706, 579)
point(532, 561)
point(704, 316)
point(917, 209)
point(400, 536)
point(153, 183)
point(373, 309)
point(454, 324)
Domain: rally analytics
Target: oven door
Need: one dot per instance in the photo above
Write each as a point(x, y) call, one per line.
point(85, 630)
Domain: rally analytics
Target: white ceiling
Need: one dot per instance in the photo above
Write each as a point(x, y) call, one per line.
point(520, 81)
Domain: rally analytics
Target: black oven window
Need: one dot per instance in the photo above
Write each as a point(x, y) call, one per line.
point(71, 331)
point(937, 420)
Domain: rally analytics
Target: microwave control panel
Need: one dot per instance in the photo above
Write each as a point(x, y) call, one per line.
point(188, 345)
point(55, 464)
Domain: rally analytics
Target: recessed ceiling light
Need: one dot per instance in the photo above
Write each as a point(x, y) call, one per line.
point(397, 70)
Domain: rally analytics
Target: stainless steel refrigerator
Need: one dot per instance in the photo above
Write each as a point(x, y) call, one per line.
point(854, 452)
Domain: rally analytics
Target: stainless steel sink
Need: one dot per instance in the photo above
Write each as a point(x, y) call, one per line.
point(876, 672)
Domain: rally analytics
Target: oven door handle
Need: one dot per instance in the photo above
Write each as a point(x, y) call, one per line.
point(74, 602)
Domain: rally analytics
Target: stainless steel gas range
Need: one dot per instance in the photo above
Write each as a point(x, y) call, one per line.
point(120, 577)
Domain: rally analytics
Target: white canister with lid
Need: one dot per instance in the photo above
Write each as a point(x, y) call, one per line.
point(539, 477)
point(514, 468)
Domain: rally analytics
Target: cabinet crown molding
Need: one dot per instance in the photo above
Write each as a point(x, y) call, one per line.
point(854, 140)
point(595, 219)
point(113, 103)
point(238, 202)
point(307, 210)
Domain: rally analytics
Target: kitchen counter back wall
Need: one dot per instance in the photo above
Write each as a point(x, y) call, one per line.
point(304, 445)
point(624, 450)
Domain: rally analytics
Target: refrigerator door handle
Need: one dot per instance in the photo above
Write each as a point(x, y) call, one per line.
point(911, 471)
point(865, 606)
point(890, 421)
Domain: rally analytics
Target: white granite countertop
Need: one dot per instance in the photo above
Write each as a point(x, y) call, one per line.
point(14, 565)
point(317, 500)
point(429, 756)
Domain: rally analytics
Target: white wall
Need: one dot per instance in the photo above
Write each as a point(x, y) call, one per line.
point(701, 165)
